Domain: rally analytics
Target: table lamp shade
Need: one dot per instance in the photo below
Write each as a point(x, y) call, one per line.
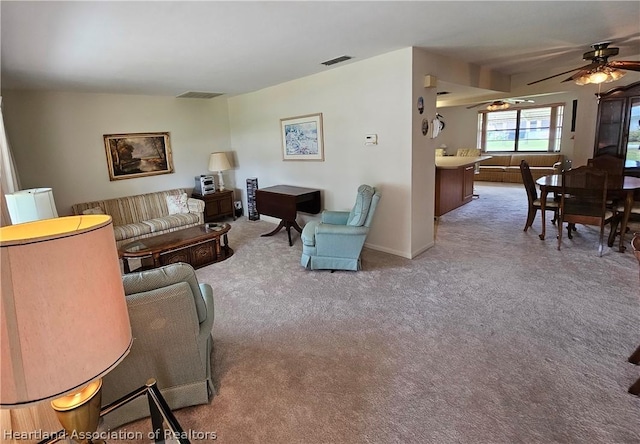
point(219, 162)
point(32, 204)
point(64, 318)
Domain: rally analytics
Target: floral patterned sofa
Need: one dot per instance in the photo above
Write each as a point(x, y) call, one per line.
point(146, 215)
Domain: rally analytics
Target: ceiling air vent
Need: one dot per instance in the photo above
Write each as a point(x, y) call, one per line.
point(198, 95)
point(337, 60)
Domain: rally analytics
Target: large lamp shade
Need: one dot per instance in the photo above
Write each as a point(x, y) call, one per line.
point(64, 318)
point(32, 204)
point(219, 162)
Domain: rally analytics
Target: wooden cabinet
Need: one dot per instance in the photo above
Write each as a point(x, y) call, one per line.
point(454, 182)
point(618, 126)
point(217, 205)
point(467, 180)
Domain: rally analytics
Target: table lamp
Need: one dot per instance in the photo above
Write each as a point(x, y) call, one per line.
point(64, 319)
point(32, 204)
point(219, 162)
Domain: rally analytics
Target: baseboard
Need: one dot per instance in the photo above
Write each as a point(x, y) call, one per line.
point(398, 252)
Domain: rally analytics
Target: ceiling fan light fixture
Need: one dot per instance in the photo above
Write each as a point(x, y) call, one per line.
point(600, 75)
point(498, 105)
point(616, 74)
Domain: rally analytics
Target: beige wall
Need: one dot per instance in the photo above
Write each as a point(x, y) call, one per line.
point(368, 97)
point(56, 138)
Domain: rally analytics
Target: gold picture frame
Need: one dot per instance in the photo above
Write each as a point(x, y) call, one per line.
point(138, 155)
point(302, 137)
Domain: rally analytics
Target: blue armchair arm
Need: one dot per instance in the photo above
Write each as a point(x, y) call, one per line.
point(341, 229)
point(335, 217)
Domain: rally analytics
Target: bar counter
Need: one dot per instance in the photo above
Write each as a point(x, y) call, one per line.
point(454, 181)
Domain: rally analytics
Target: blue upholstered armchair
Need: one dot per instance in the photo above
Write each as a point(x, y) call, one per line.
point(336, 242)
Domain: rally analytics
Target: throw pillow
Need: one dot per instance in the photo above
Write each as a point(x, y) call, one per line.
point(177, 203)
point(94, 210)
point(358, 214)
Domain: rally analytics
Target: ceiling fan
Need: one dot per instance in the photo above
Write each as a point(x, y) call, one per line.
point(600, 70)
point(495, 105)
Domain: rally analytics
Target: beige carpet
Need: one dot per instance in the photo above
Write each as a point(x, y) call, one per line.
point(491, 336)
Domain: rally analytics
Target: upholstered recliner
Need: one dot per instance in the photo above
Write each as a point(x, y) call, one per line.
point(335, 243)
point(171, 318)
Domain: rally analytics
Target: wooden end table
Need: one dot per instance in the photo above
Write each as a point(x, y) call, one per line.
point(198, 246)
point(284, 202)
point(217, 205)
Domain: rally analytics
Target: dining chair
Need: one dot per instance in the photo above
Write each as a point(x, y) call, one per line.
point(611, 164)
point(635, 356)
point(532, 197)
point(614, 166)
point(583, 201)
point(618, 214)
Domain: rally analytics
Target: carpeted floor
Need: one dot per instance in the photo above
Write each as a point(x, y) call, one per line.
point(491, 336)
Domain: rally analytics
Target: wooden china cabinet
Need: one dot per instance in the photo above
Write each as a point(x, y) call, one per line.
point(618, 126)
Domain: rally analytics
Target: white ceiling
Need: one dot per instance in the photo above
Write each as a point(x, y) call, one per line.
point(167, 48)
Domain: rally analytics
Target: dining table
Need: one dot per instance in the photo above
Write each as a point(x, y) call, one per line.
point(626, 188)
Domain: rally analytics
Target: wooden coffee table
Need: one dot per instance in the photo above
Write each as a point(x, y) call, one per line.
point(198, 246)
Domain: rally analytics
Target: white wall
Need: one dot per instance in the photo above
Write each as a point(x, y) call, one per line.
point(57, 140)
point(423, 169)
point(460, 128)
point(368, 97)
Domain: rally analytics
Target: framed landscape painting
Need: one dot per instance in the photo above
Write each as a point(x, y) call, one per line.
point(138, 155)
point(302, 137)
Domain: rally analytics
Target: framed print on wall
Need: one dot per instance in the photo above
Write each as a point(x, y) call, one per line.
point(138, 155)
point(302, 137)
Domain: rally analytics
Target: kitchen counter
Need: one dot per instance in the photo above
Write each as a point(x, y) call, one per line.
point(454, 181)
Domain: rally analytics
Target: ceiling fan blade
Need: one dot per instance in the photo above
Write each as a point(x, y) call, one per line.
point(478, 104)
point(625, 64)
point(591, 65)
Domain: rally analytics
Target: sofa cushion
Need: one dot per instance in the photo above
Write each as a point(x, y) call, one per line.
point(131, 230)
point(145, 206)
point(358, 214)
point(536, 160)
point(177, 203)
point(496, 160)
point(172, 221)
